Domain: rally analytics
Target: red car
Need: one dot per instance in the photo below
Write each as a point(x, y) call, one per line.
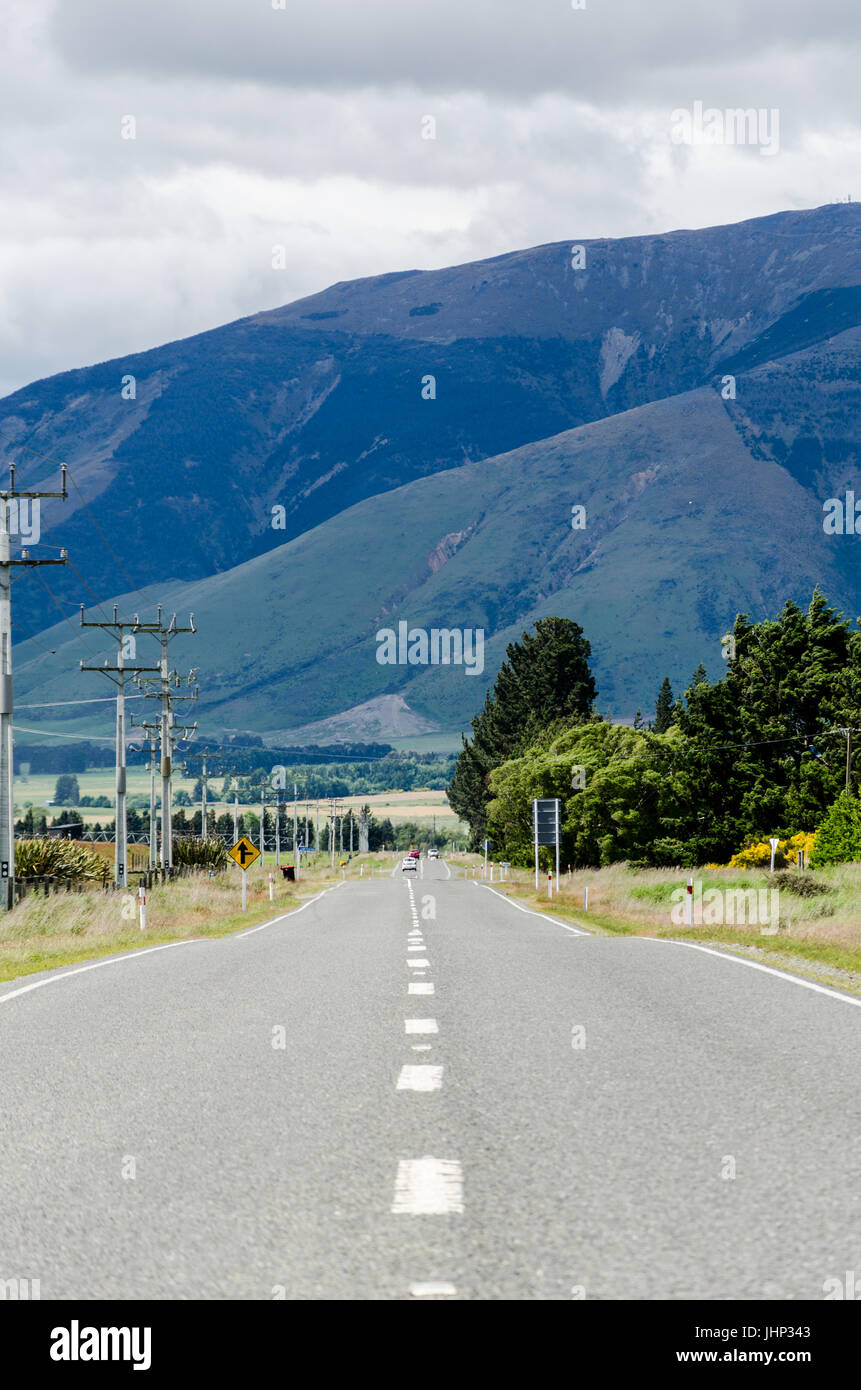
point(415, 854)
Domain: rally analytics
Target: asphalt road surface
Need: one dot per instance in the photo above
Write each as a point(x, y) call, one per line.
point(411, 1088)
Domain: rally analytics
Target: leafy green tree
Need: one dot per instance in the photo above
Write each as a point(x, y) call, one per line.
point(838, 839)
point(619, 798)
point(67, 791)
point(762, 753)
point(663, 708)
point(545, 678)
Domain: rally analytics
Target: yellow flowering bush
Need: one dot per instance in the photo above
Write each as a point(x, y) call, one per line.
point(757, 854)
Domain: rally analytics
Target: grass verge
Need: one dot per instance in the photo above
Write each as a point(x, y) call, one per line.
point(69, 928)
point(818, 935)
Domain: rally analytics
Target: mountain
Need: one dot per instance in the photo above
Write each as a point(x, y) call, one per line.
point(602, 387)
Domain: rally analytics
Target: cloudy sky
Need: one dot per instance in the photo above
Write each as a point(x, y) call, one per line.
point(299, 123)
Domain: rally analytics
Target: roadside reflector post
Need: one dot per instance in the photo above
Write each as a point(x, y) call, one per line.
point(690, 903)
point(586, 898)
point(244, 888)
point(550, 883)
point(774, 842)
point(271, 889)
point(142, 907)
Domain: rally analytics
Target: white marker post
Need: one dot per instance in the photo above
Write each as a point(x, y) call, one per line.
point(586, 898)
point(244, 888)
point(142, 907)
point(774, 842)
point(690, 903)
point(550, 883)
point(271, 889)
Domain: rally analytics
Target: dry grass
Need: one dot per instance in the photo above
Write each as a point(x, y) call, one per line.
point(42, 933)
point(824, 929)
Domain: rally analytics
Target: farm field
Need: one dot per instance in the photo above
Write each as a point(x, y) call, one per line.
point(422, 805)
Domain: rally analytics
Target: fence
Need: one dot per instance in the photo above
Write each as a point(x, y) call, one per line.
point(50, 884)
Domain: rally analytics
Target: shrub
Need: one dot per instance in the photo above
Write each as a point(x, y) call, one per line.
point(195, 851)
point(802, 885)
point(838, 839)
point(56, 858)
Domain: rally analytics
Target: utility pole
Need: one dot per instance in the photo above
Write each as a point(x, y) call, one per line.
point(178, 733)
point(152, 739)
point(317, 829)
point(848, 733)
point(351, 832)
point(204, 756)
point(296, 855)
point(7, 769)
point(165, 683)
point(126, 646)
point(153, 822)
point(235, 817)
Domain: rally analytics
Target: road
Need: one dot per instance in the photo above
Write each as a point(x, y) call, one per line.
point(412, 1088)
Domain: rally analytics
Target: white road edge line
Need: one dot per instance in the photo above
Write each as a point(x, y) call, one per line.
point(55, 977)
point(58, 975)
point(694, 946)
point(238, 936)
point(575, 931)
point(755, 965)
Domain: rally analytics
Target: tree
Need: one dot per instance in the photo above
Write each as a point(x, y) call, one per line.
point(544, 679)
point(838, 839)
point(663, 707)
point(67, 792)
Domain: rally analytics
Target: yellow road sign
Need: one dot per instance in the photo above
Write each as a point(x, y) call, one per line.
point(244, 852)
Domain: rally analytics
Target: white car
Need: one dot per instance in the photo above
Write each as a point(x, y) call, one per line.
point(433, 854)
point(409, 864)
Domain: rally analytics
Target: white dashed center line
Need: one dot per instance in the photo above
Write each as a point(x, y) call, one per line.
point(418, 964)
point(428, 1187)
point(419, 989)
point(433, 1289)
point(420, 1025)
point(420, 1078)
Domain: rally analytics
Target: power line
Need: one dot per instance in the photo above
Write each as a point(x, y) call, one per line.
point(100, 700)
point(76, 738)
point(56, 604)
point(50, 459)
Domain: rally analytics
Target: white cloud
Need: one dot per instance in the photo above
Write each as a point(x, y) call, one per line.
point(303, 127)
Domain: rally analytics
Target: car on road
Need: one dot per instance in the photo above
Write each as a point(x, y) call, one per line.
point(433, 854)
point(415, 854)
point(409, 863)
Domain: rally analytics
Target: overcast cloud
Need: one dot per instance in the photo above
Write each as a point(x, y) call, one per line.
point(302, 127)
